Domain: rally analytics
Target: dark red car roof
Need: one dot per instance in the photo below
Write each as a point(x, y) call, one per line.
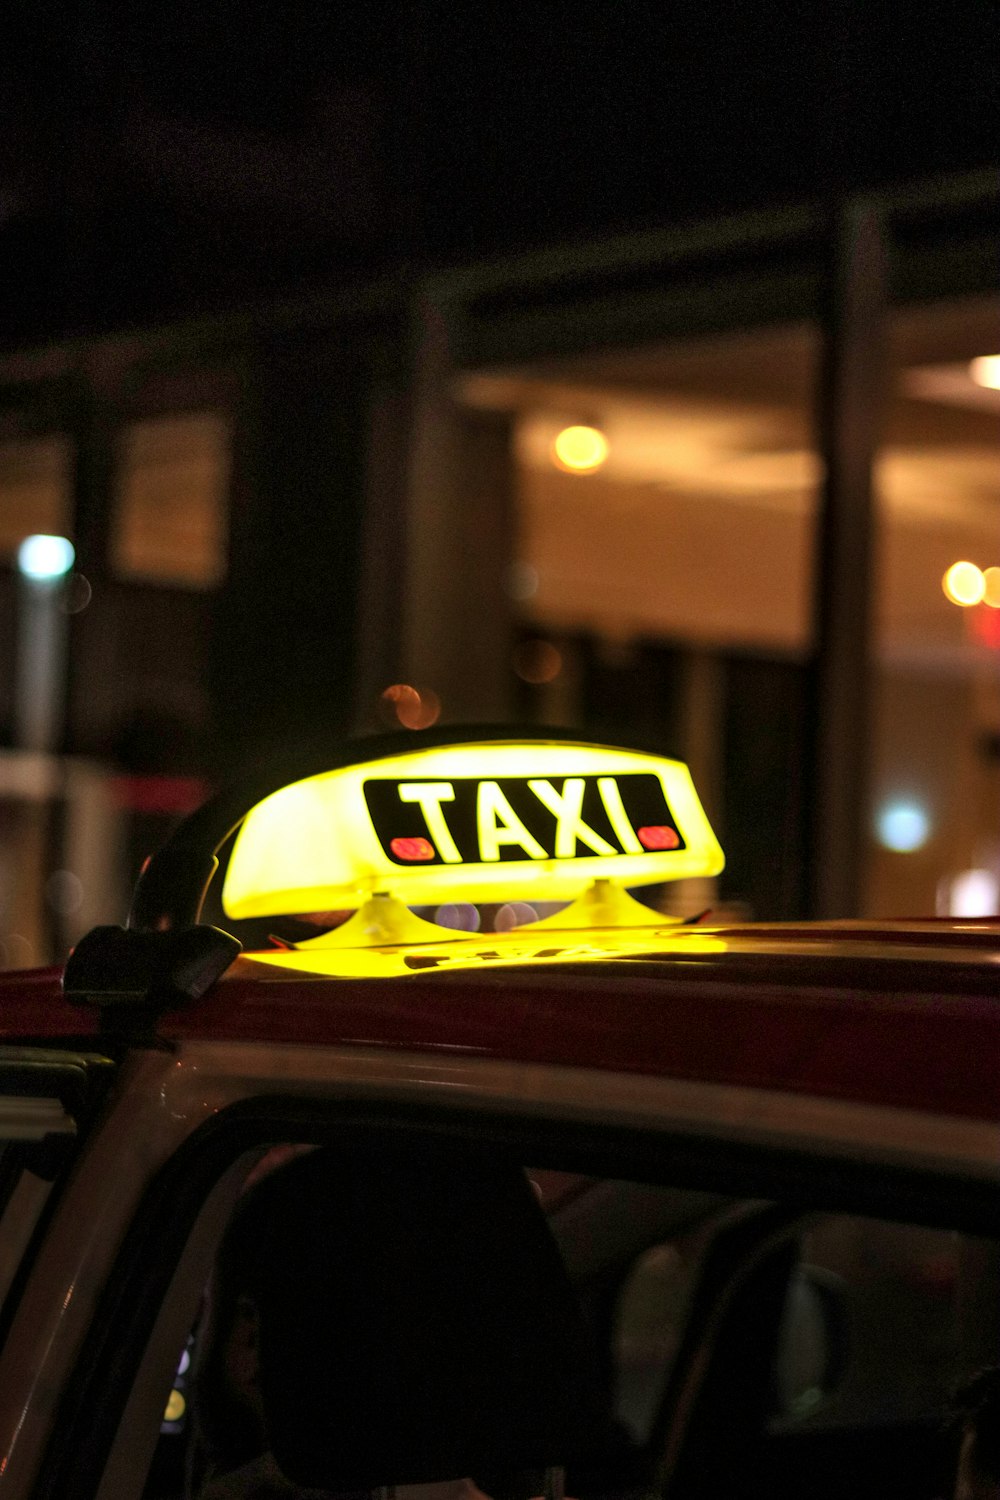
point(904, 1014)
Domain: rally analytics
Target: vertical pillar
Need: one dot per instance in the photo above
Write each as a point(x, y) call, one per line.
point(383, 542)
point(701, 720)
point(286, 620)
point(852, 382)
point(95, 481)
point(460, 542)
point(308, 623)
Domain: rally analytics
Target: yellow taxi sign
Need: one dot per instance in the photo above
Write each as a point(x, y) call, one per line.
point(478, 822)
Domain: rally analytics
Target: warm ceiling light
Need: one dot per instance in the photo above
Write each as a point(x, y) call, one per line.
point(986, 371)
point(964, 584)
point(413, 708)
point(580, 450)
point(991, 590)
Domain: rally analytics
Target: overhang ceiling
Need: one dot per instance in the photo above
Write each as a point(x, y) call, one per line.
point(700, 524)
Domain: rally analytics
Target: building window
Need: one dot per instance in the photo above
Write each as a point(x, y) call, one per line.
point(934, 822)
point(171, 525)
point(34, 490)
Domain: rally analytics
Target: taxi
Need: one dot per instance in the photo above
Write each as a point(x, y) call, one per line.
point(438, 1157)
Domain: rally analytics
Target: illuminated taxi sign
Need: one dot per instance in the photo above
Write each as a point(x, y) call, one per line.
point(480, 822)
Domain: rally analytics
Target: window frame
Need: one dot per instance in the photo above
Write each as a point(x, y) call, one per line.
point(47, 1099)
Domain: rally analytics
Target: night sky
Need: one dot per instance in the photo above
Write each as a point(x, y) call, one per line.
point(161, 157)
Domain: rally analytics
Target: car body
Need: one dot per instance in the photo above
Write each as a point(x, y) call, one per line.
point(769, 1156)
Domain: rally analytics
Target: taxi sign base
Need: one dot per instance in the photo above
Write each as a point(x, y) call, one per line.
point(381, 922)
point(603, 904)
point(519, 947)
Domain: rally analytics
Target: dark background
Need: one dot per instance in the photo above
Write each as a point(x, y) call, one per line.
point(166, 158)
point(302, 169)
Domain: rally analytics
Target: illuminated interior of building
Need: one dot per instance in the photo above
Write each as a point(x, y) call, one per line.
point(665, 504)
point(696, 530)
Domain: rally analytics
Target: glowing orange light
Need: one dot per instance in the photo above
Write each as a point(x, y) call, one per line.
point(991, 591)
point(430, 709)
point(537, 661)
point(964, 584)
point(409, 706)
point(580, 450)
point(986, 371)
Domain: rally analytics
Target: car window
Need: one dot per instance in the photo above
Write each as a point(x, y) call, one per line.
point(913, 1311)
point(845, 1387)
point(732, 1347)
point(168, 1445)
point(151, 1453)
point(650, 1313)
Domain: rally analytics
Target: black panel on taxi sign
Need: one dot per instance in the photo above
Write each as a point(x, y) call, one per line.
point(470, 819)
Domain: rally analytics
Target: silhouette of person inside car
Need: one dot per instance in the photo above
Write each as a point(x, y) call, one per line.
point(376, 1320)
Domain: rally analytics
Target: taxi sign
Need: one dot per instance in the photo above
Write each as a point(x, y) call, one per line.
point(478, 822)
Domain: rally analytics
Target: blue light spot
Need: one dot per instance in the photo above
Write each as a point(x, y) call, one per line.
point(903, 826)
point(43, 558)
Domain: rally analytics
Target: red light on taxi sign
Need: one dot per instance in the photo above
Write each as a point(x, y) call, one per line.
point(658, 836)
point(412, 849)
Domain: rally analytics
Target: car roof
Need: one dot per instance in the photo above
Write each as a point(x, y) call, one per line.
point(904, 1014)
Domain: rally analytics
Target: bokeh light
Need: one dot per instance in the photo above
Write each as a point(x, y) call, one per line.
point(523, 581)
point(902, 826)
point(964, 584)
point(460, 916)
point(45, 558)
point(176, 1407)
point(991, 587)
point(16, 951)
point(984, 627)
point(413, 708)
point(973, 893)
point(537, 661)
point(64, 892)
point(514, 914)
point(580, 450)
point(76, 595)
point(985, 371)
